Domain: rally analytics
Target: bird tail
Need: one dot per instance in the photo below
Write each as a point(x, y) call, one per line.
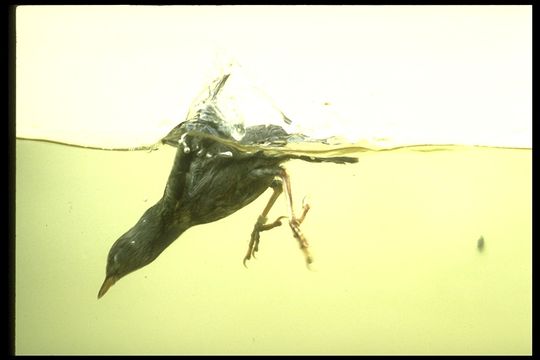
point(333, 159)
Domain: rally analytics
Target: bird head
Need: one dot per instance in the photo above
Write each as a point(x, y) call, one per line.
point(135, 249)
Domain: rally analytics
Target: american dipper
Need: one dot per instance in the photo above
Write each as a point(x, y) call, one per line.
point(210, 180)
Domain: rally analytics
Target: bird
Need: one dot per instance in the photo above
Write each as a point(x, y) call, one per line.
point(210, 179)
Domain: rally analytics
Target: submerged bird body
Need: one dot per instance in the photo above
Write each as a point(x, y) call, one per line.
point(209, 180)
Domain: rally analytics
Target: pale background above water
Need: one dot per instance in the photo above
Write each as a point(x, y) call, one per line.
point(125, 75)
point(394, 236)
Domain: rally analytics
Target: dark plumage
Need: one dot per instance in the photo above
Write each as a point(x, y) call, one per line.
point(209, 180)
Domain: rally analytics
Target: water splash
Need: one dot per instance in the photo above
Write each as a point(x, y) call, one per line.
point(232, 104)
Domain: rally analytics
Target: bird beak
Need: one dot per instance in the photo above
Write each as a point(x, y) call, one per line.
point(109, 281)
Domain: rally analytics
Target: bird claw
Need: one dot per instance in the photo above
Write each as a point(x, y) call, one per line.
point(260, 226)
point(304, 245)
point(305, 202)
point(305, 209)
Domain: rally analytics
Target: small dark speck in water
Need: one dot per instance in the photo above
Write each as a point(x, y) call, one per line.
point(480, 244)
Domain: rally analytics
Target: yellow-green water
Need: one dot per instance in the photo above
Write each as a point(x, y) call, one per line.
point(394, 238)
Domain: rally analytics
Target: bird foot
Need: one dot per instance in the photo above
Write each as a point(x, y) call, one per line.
point(294, 223)
point(260, 226)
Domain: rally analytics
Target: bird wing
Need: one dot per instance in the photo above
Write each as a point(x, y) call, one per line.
point(177, 178)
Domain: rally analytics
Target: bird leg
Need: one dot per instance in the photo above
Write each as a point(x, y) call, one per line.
point(261, 224)
point(294, 222)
